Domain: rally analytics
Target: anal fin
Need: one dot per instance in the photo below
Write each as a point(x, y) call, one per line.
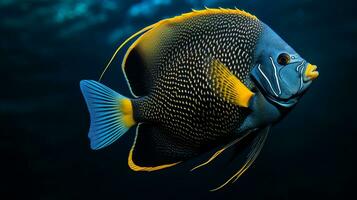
point(154, 149)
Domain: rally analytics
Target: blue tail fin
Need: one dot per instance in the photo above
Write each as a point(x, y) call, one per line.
point(111, 114)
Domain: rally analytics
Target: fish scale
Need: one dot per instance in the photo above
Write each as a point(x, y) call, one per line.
point(181, 100)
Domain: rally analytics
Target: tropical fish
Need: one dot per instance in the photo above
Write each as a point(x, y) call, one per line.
point(199, 81)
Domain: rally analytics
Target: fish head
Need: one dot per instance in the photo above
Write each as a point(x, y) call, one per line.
point(280, 73)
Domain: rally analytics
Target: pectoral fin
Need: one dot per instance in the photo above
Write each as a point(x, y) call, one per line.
point(228, 86)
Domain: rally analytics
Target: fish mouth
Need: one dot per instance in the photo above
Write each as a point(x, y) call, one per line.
point(311, 72)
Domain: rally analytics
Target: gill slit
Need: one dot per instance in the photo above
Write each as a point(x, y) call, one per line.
point(266, 78)
point(302, 63)
point(301, 79)
point(275, 73)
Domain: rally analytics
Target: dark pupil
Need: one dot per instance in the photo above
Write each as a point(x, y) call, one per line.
point(283, 59)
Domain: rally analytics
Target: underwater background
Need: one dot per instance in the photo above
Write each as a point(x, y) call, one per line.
point(48, 46)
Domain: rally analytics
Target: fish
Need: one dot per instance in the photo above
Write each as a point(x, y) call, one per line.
point(199, 81)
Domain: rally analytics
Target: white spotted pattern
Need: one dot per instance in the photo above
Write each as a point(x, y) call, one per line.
point(182, 101)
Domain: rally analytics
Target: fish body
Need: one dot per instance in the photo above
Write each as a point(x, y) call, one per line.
point(200, 80)
point(180, 98)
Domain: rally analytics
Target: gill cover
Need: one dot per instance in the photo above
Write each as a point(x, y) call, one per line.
point(279, 71)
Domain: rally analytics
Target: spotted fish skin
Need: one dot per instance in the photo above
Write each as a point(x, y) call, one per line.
point(180, 99)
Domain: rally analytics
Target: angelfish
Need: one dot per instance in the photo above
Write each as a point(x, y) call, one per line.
point(199, 81)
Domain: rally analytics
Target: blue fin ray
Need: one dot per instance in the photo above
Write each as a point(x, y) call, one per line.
point(106, 118)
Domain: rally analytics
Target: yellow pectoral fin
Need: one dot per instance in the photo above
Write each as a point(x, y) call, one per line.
point(228, 86)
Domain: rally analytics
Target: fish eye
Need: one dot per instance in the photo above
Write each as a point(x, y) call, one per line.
point(283, 59)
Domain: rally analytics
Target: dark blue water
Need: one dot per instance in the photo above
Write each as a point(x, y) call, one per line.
point(47, 47)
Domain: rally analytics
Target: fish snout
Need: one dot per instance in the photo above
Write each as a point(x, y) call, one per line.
point(311, 72)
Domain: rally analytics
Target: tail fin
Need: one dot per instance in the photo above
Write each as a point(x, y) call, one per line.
point(111, 114)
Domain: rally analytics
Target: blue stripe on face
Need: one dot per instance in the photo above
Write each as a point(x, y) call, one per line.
point(267, 80)
point(275, 75)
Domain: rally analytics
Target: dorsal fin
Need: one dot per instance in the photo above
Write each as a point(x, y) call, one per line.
point(121, 46)
point(208, 11)
point(185, 16)
point(139, 75)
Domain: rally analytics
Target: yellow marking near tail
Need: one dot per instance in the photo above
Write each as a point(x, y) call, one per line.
point(228, 86)
point(127, 110)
